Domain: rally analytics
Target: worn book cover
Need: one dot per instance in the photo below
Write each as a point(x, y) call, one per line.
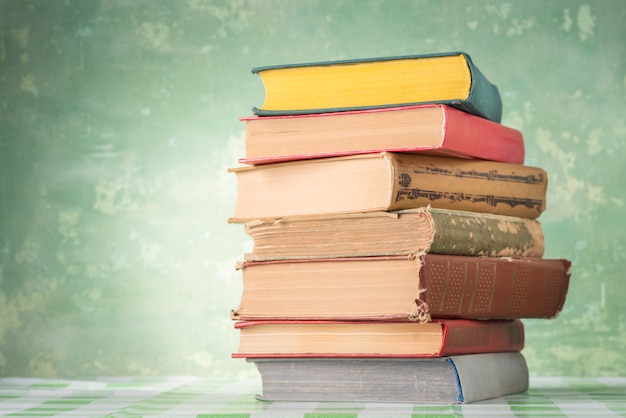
point(388, 181)
point(408, 232)
point(416, 288)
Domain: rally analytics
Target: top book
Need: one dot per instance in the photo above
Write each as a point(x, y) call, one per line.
point(332, 86)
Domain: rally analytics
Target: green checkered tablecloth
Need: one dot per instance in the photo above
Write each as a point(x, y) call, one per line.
point(202, 397)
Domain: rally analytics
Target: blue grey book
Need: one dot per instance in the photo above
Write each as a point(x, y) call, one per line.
point(443, 380)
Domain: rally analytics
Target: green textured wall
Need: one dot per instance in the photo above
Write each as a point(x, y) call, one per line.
point(119, 118)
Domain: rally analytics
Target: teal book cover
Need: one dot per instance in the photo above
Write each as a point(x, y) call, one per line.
point(483, 99)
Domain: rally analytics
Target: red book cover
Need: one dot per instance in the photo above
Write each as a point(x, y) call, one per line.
point(295, 339)
point(404, 287)
point(429, 129)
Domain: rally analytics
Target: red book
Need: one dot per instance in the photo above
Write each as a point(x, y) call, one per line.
point(429, 129)
point(267, 339)
point(404, 287)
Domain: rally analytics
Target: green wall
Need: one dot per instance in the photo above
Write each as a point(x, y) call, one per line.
point(119, 119)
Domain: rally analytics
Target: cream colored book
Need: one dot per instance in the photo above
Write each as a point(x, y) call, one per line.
point(387, 181)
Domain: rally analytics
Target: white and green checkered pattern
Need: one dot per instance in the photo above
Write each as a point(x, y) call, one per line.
point(200, 397)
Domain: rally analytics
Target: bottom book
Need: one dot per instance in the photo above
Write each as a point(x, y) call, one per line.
point(454, 379)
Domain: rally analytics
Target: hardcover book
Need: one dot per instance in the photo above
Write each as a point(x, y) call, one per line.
point(293, 339)
point(427, 286)
point(431, 129)
point(387, 181)
point(444, 380)
point(409, 232)
point(449, 78)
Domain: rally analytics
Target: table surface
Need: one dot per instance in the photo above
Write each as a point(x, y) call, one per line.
point(204, 397)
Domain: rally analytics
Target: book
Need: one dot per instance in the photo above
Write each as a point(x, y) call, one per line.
point(408, 232)
point(427, 286)
point(431, 129)
point(387, 181)
point(277, 339)
point(450, 78)
point(443, 380)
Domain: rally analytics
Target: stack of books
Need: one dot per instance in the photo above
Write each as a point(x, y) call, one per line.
point(396, 241)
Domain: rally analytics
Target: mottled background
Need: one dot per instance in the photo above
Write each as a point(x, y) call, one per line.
point(119, 119)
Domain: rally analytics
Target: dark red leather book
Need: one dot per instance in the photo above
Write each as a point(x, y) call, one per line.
point(259, 339)
point(417, 288)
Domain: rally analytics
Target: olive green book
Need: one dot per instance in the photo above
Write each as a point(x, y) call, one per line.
point(408, 232)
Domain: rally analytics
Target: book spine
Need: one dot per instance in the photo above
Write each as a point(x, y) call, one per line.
point(484, 376)
point(469, 233)
point(470, 185)
point(473, 337)
point(484, 139)
point(484, 98)
point(483, 288)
